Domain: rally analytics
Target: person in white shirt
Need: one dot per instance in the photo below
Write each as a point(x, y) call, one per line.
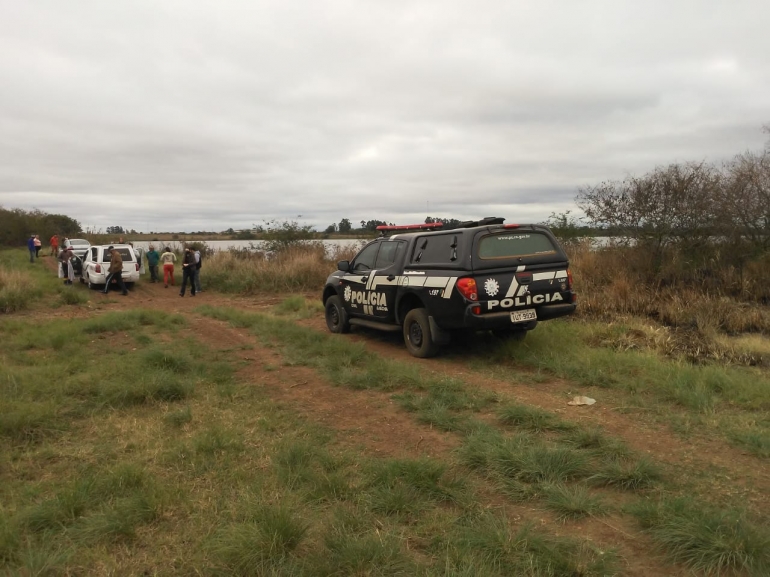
point(168, 259)
point(197, 273)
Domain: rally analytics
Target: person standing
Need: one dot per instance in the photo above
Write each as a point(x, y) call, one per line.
point(68, 272)
point(38, 245)
point(138, 252)
point(54, 242)
point(153, 258)
point(197, 270)
point(115, 272)
point(168, 259)
point(31, 247)
point(188, 271)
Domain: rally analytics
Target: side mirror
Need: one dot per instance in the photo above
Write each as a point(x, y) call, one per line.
point(343, 265)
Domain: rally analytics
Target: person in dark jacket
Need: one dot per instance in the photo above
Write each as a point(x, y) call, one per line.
point(115, 272)
point(153, 258)
point(188, 271)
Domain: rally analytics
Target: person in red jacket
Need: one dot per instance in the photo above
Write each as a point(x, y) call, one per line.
point(54, 242)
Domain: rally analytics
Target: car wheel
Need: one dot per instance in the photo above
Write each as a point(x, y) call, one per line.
point(417, 335)
point(510, 334)
point(336, 317)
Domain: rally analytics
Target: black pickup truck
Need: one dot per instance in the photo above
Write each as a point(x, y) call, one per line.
point(431, 283)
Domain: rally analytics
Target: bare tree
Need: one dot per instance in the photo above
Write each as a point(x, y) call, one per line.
point(744, 201)
point(676, 202)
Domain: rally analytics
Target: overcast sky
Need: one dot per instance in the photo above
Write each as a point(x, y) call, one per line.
point(190, 115)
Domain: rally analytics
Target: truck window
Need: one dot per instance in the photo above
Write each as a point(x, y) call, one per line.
point(436, 249)
point(388, 254)
point(365, 259)
point(506, 245)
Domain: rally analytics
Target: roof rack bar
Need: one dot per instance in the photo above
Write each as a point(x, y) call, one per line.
point(421, 226)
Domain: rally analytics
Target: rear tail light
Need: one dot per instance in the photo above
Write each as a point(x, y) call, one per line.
point(98, 268)
point(510, 226)
point(137, 267)
point(467, 288)
point(524, 277)
point(569, 279)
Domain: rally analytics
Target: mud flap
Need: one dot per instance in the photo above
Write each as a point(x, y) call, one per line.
point(438, 335)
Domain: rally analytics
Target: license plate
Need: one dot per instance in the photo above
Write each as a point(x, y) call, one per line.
point(523, 316)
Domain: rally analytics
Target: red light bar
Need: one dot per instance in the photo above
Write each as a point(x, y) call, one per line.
point(510, 226)
point(428, 225)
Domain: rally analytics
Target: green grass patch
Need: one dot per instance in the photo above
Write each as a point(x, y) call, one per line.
point(756, 442)
point(699, 388)
point(180, 417)
point(261, 542)
point(489, 544)
point(532, 419)
point(629, 476)
point(299, 307)
point(707, 541)
point(573, 502)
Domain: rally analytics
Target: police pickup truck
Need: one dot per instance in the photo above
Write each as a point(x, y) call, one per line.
point(430, 283)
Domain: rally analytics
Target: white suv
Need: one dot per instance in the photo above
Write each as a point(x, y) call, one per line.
point(96, 263)
point(79, 246)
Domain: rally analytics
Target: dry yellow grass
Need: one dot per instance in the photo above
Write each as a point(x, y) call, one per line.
point(296, 269)
point(15, 287)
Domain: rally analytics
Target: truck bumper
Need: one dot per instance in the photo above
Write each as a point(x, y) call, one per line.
point(502, 320)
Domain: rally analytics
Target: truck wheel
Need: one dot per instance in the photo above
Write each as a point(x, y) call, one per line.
point(417, 336)
point(336, 317)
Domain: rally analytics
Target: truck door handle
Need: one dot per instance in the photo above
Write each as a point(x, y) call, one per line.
point(391, 277)
point(365, 278)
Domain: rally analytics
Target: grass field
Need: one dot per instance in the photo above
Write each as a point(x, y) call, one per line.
point(158, 435)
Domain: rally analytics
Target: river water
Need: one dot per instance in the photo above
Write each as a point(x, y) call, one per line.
point(331, 245)
point(217, 245)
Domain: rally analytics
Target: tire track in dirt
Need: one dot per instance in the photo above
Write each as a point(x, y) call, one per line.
point(736, 473)
point(371, 420)
point(362, 418)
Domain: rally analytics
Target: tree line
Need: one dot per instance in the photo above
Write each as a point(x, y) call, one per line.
point(706, 211)
point(16, 225)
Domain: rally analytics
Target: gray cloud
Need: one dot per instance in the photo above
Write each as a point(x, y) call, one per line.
point(185, 116)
